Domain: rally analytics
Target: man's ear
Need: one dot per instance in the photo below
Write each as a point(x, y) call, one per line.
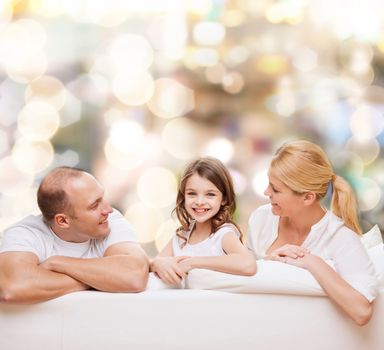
point(309, 198)
point(61, 220)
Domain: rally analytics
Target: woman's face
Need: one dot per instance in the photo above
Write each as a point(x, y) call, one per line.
point(284, 201)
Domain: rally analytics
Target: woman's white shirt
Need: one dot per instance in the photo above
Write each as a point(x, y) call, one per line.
point(329, 238)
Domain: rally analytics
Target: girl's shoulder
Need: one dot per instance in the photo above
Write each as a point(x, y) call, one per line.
point(227, 228)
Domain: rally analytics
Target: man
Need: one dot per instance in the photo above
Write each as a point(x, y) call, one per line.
point(79, 242)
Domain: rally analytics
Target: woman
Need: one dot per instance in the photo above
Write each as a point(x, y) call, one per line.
point(296, 229)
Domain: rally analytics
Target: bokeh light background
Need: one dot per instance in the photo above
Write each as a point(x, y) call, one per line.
point(134, 90)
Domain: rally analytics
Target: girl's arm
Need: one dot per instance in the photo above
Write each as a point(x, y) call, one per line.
point(166, 267)
point(354, 304)
point(238, 259)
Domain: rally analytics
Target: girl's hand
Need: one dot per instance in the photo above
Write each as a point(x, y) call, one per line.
point(168, 269)
point(186, 265)
point(288, 251)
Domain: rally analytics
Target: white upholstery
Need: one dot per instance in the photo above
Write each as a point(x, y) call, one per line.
point(188, 320)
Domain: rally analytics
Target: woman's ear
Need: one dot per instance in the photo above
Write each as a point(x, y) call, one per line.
point(309, 198)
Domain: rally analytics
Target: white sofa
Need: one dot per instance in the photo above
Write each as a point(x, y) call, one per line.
point(186, 319)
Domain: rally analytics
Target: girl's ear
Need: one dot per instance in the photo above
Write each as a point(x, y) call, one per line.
point(309, 198)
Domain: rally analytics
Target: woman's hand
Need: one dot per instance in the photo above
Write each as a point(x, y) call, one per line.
point(288, 252)
point(168, 269)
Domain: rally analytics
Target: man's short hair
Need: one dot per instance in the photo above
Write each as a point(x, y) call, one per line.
point(51, 196)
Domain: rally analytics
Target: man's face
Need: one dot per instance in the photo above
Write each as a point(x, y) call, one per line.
point(89, 214)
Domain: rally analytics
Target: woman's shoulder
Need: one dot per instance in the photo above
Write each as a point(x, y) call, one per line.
point(263, 212)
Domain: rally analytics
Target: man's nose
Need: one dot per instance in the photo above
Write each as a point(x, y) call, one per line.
point(107, 209)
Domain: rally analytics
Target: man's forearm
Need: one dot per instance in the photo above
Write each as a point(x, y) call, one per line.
point(38, 285)
point(115, 273)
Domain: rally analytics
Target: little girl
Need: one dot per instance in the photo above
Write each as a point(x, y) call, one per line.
point(207, 237)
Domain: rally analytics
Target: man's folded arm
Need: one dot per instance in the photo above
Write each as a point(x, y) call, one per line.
point(123, 268)
point(23, 280)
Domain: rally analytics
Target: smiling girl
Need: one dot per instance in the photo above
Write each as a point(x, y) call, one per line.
point(207, 238)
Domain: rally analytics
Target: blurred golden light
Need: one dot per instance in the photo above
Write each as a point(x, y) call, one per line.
point(220, 148)
point(272, 64)
point(165, 233)
point(47, 8)
point(368, 150)
point(38, 121)
point(26, 68)
point(12, 179)
point(208, 33)
point(290, 11)
point(32, 157)
point(120, 158)
point(260, 182)
point(368, 194)
point(199, 7)
point(233, 82)
point(180, 139)
point(305, 60)
point(20, 38)
point(215, 74)
point(233, 18)
point(145, 220)
point(237, 55)
point(131, 51)
point(133, 87)
point(205, 57)
point(171, 99)
point(47, 88)
point(126, 135)
point(366, 122)
point(6, 11)
point(157, 187)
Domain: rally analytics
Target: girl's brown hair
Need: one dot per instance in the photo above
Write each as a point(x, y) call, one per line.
point(213, 170)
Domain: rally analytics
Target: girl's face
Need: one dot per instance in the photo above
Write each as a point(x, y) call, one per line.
point(284, 201)
point(202, 198)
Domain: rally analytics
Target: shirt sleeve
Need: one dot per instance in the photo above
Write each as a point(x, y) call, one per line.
point(121, 230)
point(20, 238)
point(351, 261)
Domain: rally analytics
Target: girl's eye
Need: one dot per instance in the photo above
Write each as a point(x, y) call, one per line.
point(211, 194)
point(190, 193)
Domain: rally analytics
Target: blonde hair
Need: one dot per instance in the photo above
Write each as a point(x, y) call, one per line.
point(213, 170)
point(304, 167)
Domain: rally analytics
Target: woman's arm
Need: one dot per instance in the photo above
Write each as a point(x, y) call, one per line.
point(354, 304)
point(238, 259)
point(166, 267)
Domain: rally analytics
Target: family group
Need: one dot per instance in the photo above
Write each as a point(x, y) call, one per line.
point(80, 242)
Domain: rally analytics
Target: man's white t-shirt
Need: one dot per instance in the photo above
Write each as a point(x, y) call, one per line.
point(32, 234)
point(209, 247)
point(329, 238)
